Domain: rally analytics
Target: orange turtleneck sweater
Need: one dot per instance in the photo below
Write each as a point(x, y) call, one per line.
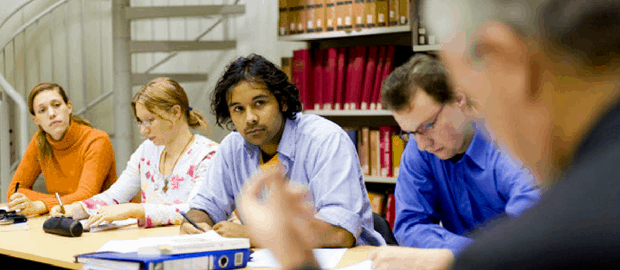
point(83, 165)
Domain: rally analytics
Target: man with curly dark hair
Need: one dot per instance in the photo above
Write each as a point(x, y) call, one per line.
point(256, 99)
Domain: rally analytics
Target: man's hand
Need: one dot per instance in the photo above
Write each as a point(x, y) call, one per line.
point(276, 218)
point(388, 257)
point(74, 210)
point(231, 229)
point(187, 228)
point(19, 201)
point(115, 212)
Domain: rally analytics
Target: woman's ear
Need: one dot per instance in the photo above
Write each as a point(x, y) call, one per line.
point(176, 111)
point(70, 106)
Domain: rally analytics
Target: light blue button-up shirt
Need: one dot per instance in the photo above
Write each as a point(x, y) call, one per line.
point(317, 153)
point(462, 195)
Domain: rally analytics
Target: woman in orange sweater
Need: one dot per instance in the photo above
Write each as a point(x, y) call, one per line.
point(76, 160)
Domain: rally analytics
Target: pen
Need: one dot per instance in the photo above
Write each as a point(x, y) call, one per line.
point(16, 187)
point(191, 221)
point(62, 207)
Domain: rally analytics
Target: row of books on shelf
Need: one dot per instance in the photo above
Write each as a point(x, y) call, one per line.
point(383, 204)
point(315, 16)
point(379, 150)
point(345, 78)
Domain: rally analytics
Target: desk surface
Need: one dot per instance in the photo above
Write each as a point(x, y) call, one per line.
point(36, 245)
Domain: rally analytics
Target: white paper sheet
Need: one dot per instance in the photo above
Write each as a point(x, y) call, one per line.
point(14, 227)
point(326, 257)
point(108, 226)
point(365, 265)
point(133, 245)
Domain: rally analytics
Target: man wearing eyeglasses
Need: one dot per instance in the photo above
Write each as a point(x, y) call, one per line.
point(450, 172)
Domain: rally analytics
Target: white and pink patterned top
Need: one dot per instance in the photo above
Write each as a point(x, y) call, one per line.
point(162, 201)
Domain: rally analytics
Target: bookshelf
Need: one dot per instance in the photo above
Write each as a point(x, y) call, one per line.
point(368, 118)
point(363, 32)
point(381, 180)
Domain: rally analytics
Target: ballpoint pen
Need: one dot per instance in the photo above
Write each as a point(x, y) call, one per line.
point(62, 207)
point(191, 221)
point(16, 187)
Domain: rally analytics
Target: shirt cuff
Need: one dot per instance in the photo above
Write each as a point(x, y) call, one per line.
point(92, 205)
point(341, 217)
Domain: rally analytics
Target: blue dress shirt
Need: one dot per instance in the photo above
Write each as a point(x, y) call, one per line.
point(317, 153)
point(462, 195)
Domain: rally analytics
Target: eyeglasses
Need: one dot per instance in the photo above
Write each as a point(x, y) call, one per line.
point(406, 136)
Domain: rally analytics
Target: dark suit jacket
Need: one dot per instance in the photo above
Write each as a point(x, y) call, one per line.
point(575, 225)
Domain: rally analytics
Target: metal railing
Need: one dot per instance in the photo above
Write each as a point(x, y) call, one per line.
point(7, 90)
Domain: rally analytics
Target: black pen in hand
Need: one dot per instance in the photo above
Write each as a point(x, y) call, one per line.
point(191, 221)
point(16, 187)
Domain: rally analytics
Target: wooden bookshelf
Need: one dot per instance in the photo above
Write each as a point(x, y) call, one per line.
point(348, 34)
point(350, 113)
point(377, 179)
point(367, 118)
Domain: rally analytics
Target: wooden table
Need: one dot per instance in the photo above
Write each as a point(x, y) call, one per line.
point(36, 245)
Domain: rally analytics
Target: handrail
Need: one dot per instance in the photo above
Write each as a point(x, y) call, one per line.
point(23, 109)
point(15, 10)
point(35, 19)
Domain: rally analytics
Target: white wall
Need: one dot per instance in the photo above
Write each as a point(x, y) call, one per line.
point(255, 32)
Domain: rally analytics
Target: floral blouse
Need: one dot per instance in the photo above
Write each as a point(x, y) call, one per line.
point(163, 196)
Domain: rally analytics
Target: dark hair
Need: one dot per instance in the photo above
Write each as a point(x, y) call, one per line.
point(44, 145)
point(164, 93)
point(587, 30)
point(420, 72)
point(254, 68)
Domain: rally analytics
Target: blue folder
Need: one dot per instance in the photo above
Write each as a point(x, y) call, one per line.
point(222, 259)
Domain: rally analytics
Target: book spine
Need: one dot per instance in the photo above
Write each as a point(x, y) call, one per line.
point(287, 68)
point(371, 13)
point(319, 16)
point(330, 15)
point(369, 77)
point(282, 20)
point(382, 13)
point(365, 151)
point(393, 12)
point(404, 11)
point(386, 151)
point(398, 146)
point(309, 15)
point(375, 153)
point(358, 14)
point(390, 213)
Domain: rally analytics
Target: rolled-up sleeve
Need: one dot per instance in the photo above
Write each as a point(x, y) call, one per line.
point(338, 189)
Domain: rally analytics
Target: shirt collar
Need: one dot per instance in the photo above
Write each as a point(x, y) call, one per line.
point(477, 149)
point(70, 138)
point(287, 144)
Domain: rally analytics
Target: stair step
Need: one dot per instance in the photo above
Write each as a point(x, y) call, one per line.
point(142, 79)
point(136, 13)
point(171, 46)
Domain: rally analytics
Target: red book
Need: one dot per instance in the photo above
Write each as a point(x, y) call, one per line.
point(369, 77)
point(319, 69)
point(376, 89)
point(386, 151)
point(329, 83)
point(298, 68)
point(350, 77)
point(390, 213)
point(387, 68)
point(341, 80)
point(357, 80)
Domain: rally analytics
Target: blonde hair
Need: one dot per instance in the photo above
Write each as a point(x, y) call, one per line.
point(44, 145)
point(164, 93)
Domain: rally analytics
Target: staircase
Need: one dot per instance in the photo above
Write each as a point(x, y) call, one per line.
point(46, 48)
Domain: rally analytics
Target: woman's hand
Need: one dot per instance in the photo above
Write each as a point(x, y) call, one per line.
point(19, 201)
point(115, 212)
point(74, 210)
